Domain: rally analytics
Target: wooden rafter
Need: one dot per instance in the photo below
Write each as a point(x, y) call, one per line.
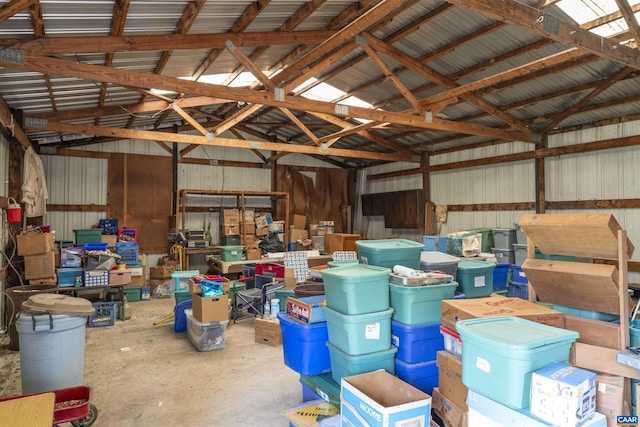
point(630, 19)
point(577, 107)
point(443, 80)
point(193, 122)
point(605, 19)
point(532, 19)
point(221, 142)
point(11, 124)
point(12, 7)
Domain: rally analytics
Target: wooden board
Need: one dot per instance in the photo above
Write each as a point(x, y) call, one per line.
point(34, 411)
point(594, 332)
point(573, 284)
point(580, 235)
point(600, 359)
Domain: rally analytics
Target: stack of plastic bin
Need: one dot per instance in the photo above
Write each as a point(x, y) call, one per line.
point(415, 331)
point(358, 320)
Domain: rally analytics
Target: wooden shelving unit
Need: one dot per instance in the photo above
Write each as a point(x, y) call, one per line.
point(584, 285)
point(182, 203)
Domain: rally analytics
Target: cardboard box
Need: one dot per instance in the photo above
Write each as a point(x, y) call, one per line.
point(290, 280)
point(268, 331)
point(610, 398)
point(322, 230)
point(318, 243)
point(563, 395)
point(119, 277)
point(250, 228)
point(71, 257)
point(253, 252)
point(299, 222)
point(230, 216)
point(109, 239)
point(310, 414)
point(168, 262)
point(496, 305)
point(263, 220)
point(450, 378)
point(230, 229)
point(42, 266)
point(296, 235)
point(250, 216)
point(449, 411)
point(340, 242)
point(47, 281)
point(306, 310)
point(210, 309)
point(161, 272)
point(35, 243)
point(137, 281)
point(379, 399)
point(262, 231)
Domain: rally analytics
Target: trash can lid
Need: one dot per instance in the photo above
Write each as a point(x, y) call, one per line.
point(58, 304)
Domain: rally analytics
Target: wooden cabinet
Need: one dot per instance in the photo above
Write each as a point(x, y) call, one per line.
point(583, 285)
point(401, 209)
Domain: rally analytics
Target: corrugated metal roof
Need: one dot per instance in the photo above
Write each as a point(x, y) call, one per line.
point(430, 32)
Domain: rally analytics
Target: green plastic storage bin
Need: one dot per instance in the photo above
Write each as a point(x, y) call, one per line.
point(475, 278)
point(132, 293)
point(413, 305)
point(496, 348)
point(91, 235)
point(487, 238)
point(231, 253)
point(333, 264)
point(359, 334)
point(324, 386)
point(182, 296)
point(540, 255)
point(230, 240)
point(390, 252)
point(357, 289)
point(344, 365)
point(282, 295)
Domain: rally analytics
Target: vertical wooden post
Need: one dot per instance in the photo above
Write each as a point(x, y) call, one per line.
point(174, 172)
point(429, 226)
point(540, 186)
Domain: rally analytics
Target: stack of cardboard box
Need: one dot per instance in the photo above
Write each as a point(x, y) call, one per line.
point(38, 250)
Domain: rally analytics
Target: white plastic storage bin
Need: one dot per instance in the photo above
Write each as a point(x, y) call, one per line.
point(206, 336)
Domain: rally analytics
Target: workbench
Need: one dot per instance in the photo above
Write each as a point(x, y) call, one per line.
point(228, 267)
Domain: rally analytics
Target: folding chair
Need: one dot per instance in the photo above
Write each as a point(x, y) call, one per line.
point(256, 297)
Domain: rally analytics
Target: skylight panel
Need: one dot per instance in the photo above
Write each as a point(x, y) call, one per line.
point(583, 11)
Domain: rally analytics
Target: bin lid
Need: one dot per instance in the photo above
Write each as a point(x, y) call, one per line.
point(356, 271)
point(438, 257)
point(466, 264)
point(388, 244)
point(58, 304)
point(505, 333)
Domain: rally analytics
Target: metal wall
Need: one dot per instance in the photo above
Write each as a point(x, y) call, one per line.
point(4, 174)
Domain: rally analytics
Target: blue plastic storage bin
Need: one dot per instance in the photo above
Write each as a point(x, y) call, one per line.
point(429, 243)
point(180, 323)
point(304, 346)
point(128, 252)
point(518, 290)
point(423, 376)
point(181, 279)
point(390, 252)
point(500, 274)
point(344, 365)
point(356, 289)
point(416, 343)
point(495, 348)
point(414, 305)
point(475, 278)
point(95, 246)
point(305, 309)
point(359, 334)
point(518, 276)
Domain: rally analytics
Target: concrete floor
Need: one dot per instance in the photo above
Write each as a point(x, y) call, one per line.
point(162, 380)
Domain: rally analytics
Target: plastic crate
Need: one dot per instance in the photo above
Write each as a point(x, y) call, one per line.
point(95, 246)
point(96, 278)
point(108, 225)
point(416, 343)
point(91, 235)
point(231, 253)
point(503, 238)
point(127, 234)
point(501, 347)
point(518, 276)
point(128, 252)
point(304, 346)
point(105, 314)
point(500, 276)
point(518, 290)
point(269, 269)
point(504, 256)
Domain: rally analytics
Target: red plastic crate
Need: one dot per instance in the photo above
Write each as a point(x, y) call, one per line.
point(270, 269)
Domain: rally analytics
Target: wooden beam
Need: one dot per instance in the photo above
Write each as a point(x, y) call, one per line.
point(539, 22)
point(134, 78)
point(77, 208)
point(301, 125)
point(347, 131)
point(193, 122)
point(221, 142)
point(13, 7)
point(11, 124)
point(484, 207)
point(629, 18)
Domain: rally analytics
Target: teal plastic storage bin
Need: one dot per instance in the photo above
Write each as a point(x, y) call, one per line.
point(181, 296)
point(322, 386)
point(448, 264)
point(589, 314)
point(181, 279)
point(359, 334)
point(540, 255)
point(475, 278)
point(413, 305)
point(390, 252)
point(231, 253)
point(132, 293)
point(507, 347)
point(423, 376)
point(333, 264)
point(344, 365)
point(357, 289)
point(91, 235)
